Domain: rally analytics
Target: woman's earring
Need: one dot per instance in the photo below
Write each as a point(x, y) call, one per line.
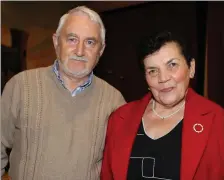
point(149, 89)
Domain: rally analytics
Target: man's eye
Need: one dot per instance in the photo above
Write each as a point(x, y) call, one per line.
point(72, 39)
point(90, 42)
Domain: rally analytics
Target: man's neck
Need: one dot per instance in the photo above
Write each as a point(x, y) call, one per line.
point(70, 82)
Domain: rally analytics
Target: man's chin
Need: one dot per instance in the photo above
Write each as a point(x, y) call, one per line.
point(79, 74)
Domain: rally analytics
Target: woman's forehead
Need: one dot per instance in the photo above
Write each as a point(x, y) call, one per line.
point(165, 53)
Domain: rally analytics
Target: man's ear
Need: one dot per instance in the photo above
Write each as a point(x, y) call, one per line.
point(102, 49)
point(55, 40)
point(192, 68)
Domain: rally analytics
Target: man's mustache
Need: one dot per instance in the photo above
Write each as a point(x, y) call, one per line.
point(78, 58)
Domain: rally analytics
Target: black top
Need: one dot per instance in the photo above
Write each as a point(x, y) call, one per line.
point(156, 159)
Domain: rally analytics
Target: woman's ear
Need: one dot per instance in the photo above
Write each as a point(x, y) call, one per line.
point(192, 68)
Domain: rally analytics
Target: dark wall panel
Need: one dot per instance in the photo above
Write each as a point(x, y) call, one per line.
point(124, 27)
point(215, 52)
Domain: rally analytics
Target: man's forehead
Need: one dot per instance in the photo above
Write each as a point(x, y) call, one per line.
point(81, 22)
point(81, 19)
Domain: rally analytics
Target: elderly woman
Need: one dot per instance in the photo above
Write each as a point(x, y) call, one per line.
point(172, 133)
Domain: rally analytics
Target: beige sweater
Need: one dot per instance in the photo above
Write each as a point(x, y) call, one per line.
point(53, 135)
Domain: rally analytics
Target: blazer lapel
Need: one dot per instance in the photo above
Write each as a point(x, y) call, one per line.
point(134, 118)
point(196, 128)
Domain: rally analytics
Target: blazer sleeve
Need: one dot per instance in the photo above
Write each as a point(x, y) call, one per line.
point(221, 134)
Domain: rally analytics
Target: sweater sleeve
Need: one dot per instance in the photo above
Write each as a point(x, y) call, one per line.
point(9, 114)
point(118, 100)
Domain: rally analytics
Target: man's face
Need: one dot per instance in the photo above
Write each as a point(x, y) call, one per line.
point(78, 46)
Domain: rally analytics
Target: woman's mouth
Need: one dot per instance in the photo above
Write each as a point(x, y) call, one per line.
point(167, 89)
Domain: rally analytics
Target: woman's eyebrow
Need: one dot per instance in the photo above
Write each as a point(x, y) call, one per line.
point(169, 61)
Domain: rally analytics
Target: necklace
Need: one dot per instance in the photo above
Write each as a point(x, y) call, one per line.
point(164, 117)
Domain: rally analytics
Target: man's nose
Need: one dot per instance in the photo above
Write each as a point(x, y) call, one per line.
point(80, 49)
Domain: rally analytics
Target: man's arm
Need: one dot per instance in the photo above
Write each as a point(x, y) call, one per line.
point(119, 100)
point(9, 113)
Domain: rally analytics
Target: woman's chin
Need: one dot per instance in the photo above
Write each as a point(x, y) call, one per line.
point(169, 101)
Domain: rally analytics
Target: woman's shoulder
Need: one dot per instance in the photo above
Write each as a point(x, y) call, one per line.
point(132, 107)
point(126, 108)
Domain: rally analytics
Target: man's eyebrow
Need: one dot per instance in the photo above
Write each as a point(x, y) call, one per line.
point(71, 34)
point(92, 38)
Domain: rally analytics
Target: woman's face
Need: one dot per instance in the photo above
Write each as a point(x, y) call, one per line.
point(168, 74)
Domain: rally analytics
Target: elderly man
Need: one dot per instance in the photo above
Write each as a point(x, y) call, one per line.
point(54, 119)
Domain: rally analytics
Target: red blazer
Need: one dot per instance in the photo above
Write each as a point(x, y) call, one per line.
point(202, 156)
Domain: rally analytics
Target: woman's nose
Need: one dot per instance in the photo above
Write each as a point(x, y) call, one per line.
point(163, 76)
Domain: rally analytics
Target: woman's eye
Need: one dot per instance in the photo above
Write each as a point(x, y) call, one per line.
point(172, 65)
point(153, 72)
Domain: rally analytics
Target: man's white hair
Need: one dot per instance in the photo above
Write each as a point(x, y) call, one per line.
point(90, 13)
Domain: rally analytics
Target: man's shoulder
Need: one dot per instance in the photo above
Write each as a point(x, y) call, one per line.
point(105, 84)
point(25, 76)
point(30, 72)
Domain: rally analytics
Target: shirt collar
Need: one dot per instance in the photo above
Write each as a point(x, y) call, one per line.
point(76, 90)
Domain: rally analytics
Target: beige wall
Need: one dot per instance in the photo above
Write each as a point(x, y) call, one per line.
point(40, 51)
point(38, 22)
point(5, 36)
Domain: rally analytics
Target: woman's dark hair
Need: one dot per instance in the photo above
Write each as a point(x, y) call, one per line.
point(153, 43)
